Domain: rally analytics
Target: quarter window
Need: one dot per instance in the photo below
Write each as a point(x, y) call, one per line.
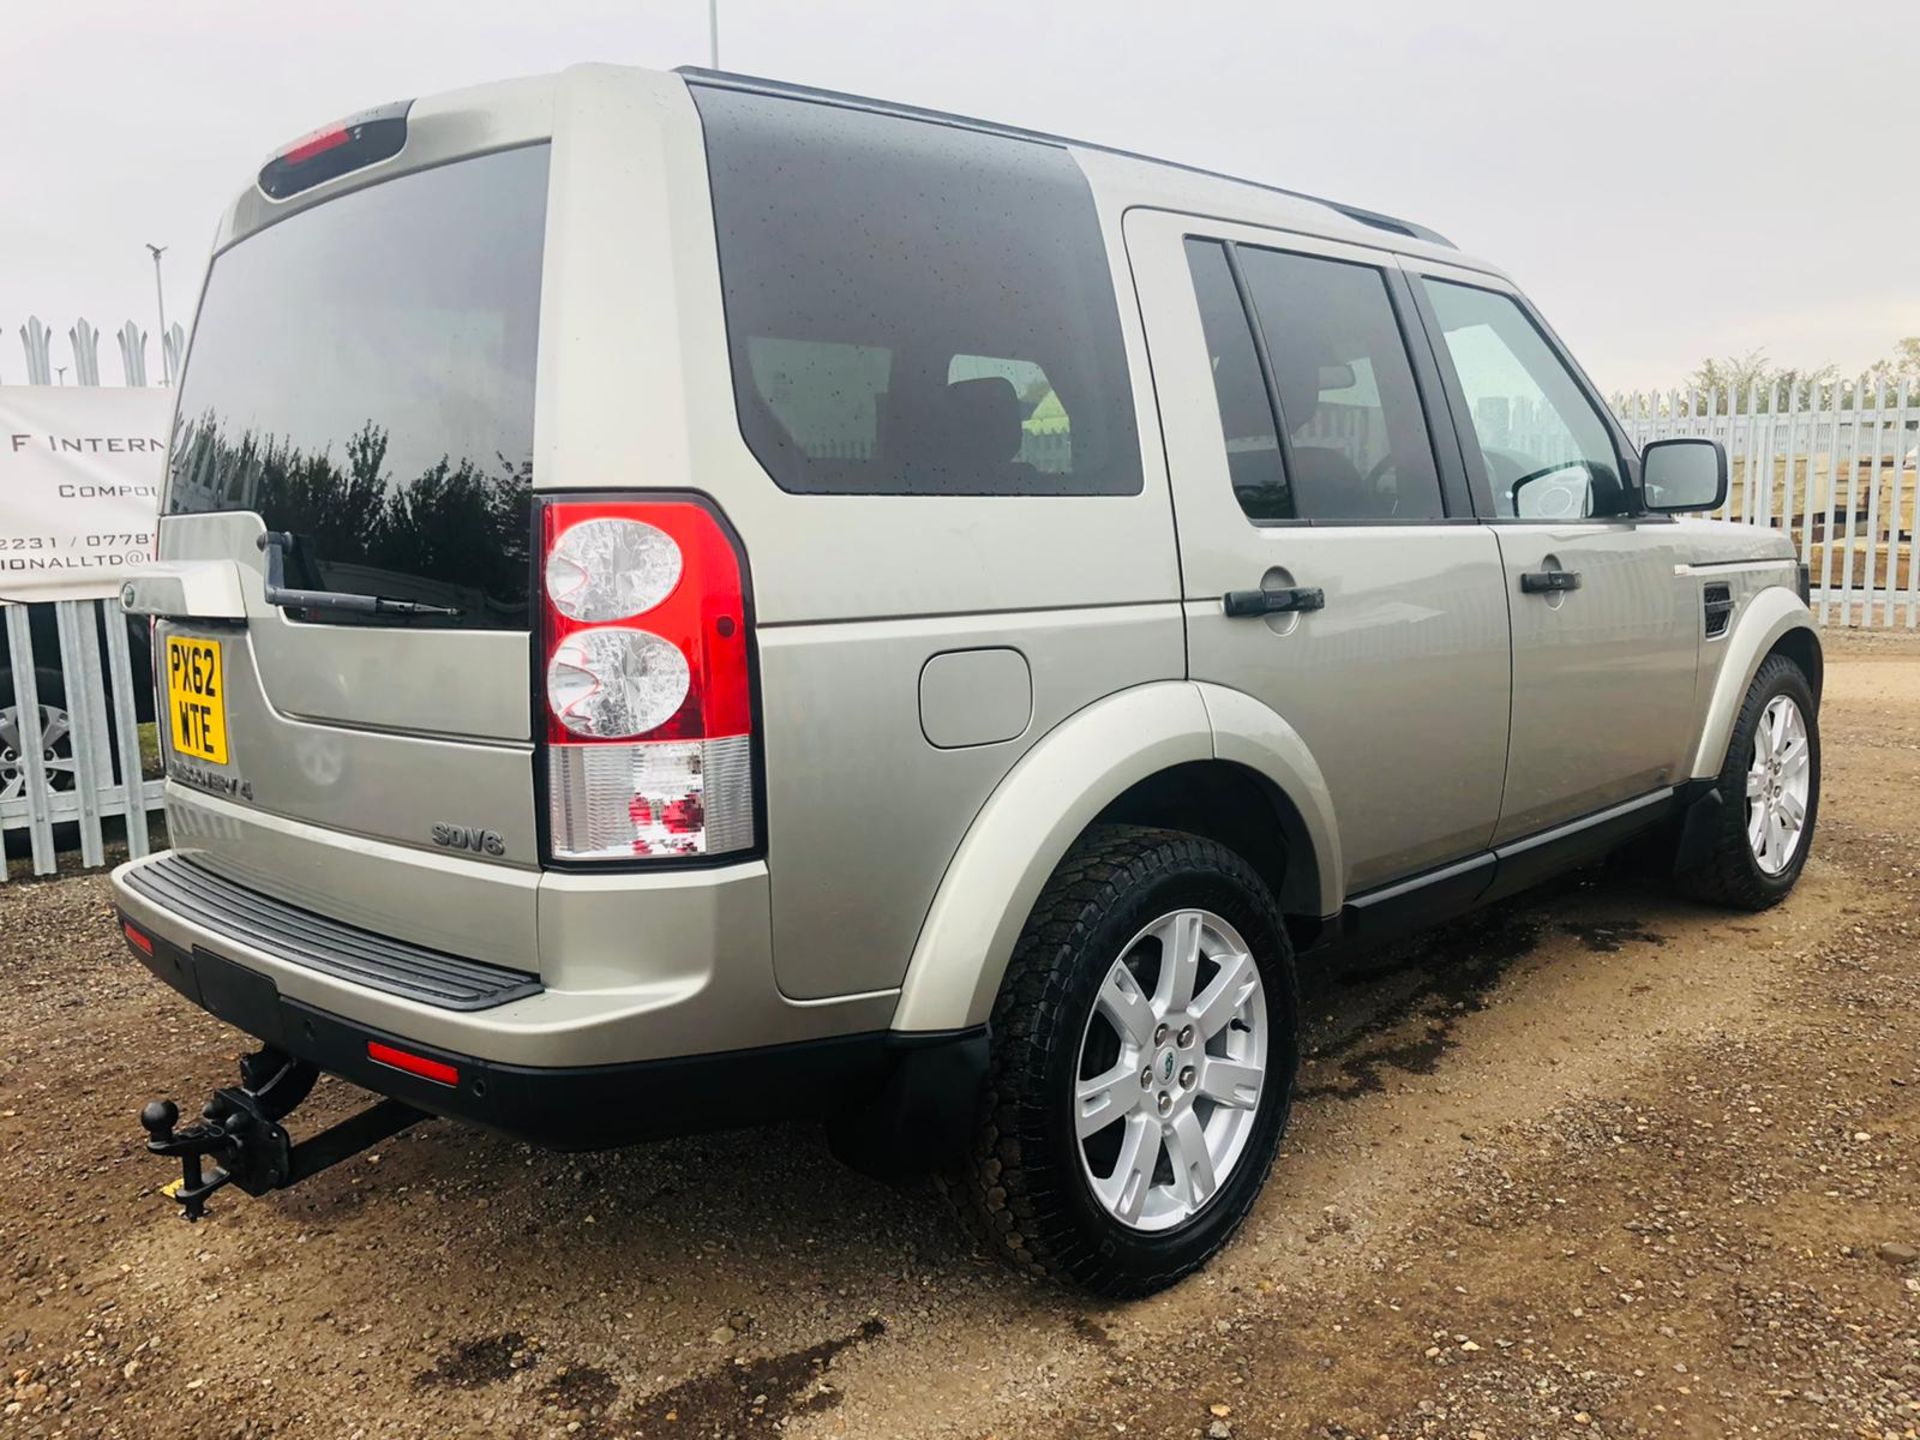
point(915, 308)
point(1357, 435)
point(1547, 452)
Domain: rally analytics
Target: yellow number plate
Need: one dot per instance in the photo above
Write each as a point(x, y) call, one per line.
point(197, 698)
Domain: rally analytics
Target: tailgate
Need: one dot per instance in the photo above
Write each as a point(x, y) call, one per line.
point(361, 384)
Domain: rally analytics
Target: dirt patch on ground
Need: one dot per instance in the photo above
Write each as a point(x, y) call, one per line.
point(1597, 1162)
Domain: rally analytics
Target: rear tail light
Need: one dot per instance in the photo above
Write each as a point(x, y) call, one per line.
point(646, 685)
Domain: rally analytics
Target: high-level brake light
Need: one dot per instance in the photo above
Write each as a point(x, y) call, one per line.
point(317, 144)
point(338, 149)
point(647, 683)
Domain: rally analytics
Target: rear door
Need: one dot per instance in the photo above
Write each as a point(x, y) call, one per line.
point(362, 379)
point(1603, 672)
point(1308, 451)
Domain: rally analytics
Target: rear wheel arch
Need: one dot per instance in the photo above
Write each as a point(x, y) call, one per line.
point(1124, 759)
point(1240, 808)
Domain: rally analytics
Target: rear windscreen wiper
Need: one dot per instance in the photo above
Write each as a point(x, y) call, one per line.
point(278, 544)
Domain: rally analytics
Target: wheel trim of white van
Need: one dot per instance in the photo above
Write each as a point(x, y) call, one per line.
point(1161, 1128)
point(55, 749)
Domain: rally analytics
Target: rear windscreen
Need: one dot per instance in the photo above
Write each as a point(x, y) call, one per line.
point(361, 375)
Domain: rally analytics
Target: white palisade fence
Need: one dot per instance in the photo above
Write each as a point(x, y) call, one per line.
point(1832, 466)
point(73, 760)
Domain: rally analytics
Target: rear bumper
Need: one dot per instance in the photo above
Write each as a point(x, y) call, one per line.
point(628, 968)
point(907, 1097)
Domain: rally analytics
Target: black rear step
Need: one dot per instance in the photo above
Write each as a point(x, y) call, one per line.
point(301, 937)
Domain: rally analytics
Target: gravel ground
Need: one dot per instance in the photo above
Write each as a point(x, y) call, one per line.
point(1592, 1163)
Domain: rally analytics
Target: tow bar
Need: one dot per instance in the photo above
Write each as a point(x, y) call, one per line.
point(240, 1133)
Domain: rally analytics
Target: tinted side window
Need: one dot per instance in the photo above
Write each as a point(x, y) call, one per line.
point(1246, 414)
point(914, 308)
point(1548, 454)
point(1357, 434)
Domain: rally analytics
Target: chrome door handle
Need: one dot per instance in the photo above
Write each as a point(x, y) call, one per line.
point(1547, 582)
point(1274, 602)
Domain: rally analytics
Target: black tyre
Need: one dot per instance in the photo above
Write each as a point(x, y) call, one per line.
point(1770, 794)
point(1145, 1043)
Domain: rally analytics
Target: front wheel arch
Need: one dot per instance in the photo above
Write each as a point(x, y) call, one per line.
point(1773, 622)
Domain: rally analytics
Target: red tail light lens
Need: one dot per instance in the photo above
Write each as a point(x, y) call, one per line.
point(646, 681)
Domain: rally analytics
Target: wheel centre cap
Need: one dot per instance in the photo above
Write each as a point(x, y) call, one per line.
point(1167, 1064)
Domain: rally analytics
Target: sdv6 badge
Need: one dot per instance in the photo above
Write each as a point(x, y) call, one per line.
point(464, 837)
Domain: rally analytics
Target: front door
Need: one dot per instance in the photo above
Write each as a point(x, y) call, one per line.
point(1300, 437)
point(1605, 623)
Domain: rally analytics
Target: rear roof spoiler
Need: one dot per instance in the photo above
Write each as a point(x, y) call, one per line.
point(722, 79)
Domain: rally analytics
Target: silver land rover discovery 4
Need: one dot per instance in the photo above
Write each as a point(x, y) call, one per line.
point(685, 601)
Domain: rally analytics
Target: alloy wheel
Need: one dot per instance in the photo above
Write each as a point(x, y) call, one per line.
point(1171, 1068)
point(1779, 783)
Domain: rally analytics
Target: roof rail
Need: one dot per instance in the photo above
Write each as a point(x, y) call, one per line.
point(727, 80)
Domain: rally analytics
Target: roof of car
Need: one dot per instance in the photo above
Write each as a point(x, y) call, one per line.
point(758, 85)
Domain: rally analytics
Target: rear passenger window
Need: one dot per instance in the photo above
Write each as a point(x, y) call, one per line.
point(1357, 435)
point(914, 308)
point(1246, 415)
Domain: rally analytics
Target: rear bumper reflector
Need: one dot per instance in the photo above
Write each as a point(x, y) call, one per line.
point(437, 1071)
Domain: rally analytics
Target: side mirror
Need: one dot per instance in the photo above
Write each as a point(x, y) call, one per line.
point(1682, 475)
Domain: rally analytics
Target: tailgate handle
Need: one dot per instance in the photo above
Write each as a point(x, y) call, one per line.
point(185, 590)
point(1275, 602)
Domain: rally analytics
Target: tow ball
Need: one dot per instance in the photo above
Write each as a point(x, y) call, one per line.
point(239, 1139)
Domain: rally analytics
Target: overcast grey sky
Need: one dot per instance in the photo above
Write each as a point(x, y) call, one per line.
point(1668, 178)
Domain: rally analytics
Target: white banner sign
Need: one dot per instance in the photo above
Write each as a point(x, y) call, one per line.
point(80, 476)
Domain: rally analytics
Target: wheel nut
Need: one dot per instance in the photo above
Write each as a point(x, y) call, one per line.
point(1166, 1102)
point(1159, 1034)
point(1187, 1078)
point(1146, 1078)
point(1186, 1036)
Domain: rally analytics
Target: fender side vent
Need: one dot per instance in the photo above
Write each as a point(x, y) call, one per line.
point(1719, 606)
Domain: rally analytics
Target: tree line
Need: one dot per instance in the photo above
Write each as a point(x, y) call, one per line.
point(455, 523)
point(1750, 379)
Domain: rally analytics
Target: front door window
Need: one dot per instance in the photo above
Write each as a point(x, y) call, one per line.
point(1547, 452)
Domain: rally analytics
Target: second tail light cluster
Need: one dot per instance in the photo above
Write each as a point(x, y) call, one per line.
point(646, 681)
